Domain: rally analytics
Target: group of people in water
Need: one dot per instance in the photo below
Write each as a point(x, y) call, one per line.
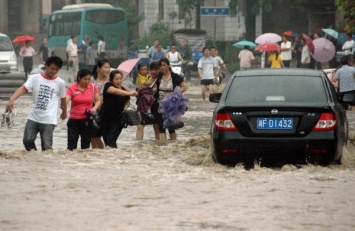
point(96, 92)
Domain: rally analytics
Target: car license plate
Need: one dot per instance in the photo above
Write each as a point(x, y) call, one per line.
point(275, 123)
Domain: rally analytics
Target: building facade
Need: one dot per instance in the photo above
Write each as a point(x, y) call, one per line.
point(25, 17)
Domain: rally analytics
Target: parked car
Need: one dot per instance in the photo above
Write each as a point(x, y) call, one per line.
point(274, 116)
point(8, 60)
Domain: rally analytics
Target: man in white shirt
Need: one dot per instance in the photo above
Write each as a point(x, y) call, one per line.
point(348, 46)
point(207, 71)
point(47, 89)
point(73, 59)
point(101, 51)
point(220, 63)
point(286, 52)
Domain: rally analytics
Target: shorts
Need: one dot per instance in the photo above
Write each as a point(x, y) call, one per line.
point(207, 82)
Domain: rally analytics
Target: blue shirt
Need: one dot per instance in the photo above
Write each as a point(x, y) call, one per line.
point(158, 55)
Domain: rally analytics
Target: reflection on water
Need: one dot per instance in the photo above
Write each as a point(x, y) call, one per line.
point(152, 185)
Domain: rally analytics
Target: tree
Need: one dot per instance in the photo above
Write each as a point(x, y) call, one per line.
point(189, 6)
point(347, 8)
point(132, 18)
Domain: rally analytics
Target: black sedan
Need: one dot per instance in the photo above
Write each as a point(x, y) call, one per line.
point(282, 116)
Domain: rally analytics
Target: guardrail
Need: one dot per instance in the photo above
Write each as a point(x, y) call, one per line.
point(9, 82)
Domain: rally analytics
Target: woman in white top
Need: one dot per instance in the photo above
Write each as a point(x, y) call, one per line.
point(286, 51)
point(27, 52)
point(101, 47)
point(173, 55)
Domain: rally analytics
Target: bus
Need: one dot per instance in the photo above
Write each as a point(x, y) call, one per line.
point(89, 20)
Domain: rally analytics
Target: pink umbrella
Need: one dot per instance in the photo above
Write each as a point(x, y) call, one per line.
point(127, 66)
point(268, 38)
point(324, 50)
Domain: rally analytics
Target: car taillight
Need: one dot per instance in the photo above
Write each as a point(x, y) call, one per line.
point(222, 121)
point(326, 122)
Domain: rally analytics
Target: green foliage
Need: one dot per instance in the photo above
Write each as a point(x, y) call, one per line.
point(132, 19)
point(159, 30)
point(159, 27)
point(268, 5)
point(347, 8)
point(189, 6)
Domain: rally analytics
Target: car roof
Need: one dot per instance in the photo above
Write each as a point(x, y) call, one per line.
point(3, 35)
point(279, 71)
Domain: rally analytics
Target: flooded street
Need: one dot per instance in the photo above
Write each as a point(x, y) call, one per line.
point(152, 185)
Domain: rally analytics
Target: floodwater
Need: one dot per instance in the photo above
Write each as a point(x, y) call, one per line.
point(148, 185)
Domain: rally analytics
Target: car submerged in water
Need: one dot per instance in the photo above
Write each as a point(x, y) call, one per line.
point(279, 116)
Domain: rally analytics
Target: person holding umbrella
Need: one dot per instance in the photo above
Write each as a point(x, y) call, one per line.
point(27, 52)
point(275, 59)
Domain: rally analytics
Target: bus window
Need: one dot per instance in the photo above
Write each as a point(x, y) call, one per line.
point(104, 16)
point(68, 24)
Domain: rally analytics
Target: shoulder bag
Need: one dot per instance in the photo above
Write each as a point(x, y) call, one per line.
point(130, 117)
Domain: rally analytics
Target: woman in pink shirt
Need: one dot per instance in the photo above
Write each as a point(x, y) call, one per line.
point(82, 95)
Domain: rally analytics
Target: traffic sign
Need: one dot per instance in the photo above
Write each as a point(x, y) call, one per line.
point(214, 11)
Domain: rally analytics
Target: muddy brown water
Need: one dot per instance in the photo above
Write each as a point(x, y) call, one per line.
point(149, 185)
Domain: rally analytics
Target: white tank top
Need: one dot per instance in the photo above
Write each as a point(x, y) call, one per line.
point(173, 57)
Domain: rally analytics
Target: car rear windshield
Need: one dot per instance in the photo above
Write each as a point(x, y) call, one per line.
point(281, 90)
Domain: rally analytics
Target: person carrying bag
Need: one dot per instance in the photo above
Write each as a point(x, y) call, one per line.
point(116, 100)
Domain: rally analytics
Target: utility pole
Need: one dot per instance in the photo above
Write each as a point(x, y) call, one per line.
point(215, 26)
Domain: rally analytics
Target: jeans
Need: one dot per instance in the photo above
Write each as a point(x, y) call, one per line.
point(78, 128)
point(30, 134)
point(111, 132)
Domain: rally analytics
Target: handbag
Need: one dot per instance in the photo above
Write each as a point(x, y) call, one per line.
point(130, 117)
point(173, 124)
point(147, 118)
point(94, 119)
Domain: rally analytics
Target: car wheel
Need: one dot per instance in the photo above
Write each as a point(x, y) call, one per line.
point(339, 153)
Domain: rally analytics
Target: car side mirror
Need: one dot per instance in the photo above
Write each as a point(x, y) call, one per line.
point(215, 97)
point(348, 98)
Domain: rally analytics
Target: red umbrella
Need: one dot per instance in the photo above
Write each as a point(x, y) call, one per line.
point(290, 33)
point(309, 42)
point(127, 66)
point(268, 47)
point(324, 50)
point(287, 33)
point(268, 38)
point(23, 39)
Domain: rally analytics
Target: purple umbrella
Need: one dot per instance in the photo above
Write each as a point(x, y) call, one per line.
point(174, 106)
point(324, 50)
